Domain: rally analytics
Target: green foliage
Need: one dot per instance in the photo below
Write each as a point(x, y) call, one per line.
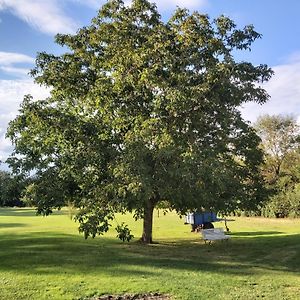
point(294, 200)
point(281, 144)
point(284, 204)
point(124, 233)
point(280, 141)
point(142, 111)
point(93, 221)
point(11, 188)
point(29, 196)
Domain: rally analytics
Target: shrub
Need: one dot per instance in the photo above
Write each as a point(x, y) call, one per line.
point(124, 233)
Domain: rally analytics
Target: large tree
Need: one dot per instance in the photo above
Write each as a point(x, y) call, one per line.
point(142, 111)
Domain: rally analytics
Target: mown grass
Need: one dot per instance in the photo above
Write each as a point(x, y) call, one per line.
point(46, 258)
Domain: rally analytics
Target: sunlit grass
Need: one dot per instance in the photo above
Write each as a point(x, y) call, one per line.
point(46, 258)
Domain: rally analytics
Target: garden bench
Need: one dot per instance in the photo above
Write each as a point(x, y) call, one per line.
point(214, 234)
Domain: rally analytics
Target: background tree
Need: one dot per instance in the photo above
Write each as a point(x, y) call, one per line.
point(280, 141)
point(143, 111)
point(11, 188)
point(281, 144)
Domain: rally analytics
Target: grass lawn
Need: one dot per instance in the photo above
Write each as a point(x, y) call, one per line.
point(46, 258)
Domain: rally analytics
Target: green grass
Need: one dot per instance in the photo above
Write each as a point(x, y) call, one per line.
point(46, 258)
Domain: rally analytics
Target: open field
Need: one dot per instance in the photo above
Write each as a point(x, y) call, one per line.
point(46, 258)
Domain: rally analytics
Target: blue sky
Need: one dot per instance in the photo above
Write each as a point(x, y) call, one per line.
point(29, 26)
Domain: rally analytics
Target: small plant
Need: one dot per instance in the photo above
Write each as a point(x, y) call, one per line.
point(124, 233)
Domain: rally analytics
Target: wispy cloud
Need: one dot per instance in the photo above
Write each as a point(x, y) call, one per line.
point(11, 95)
point(284, 89)
point(46, 16)
point(18, 72)
point(92, 3)
point(9, 60)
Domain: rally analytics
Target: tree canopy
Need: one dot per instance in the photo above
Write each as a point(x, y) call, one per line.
point(143, 111)
point(280, 137)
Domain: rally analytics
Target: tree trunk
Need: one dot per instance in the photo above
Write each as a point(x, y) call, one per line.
point(148, 222)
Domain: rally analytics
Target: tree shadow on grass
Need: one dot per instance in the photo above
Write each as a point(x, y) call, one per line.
point(12, 225)
point(25, 212)
point(255, 233)
point(53, 253)
point(17, 212)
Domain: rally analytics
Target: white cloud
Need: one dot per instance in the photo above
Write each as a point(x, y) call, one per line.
point(5, 147)
point(92, 3)
point(8, 58)
point(284, 89)
point(19, 72)
point(46, 16)
point(8, 61)
point(11, 95)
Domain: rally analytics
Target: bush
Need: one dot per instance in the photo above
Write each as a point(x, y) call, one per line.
point(294, 200)
point(283, 205)
point(124, 233)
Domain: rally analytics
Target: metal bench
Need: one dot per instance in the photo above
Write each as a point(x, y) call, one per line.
point(214, 234)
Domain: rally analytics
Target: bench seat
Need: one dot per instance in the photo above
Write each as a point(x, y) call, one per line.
point(214, 234)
